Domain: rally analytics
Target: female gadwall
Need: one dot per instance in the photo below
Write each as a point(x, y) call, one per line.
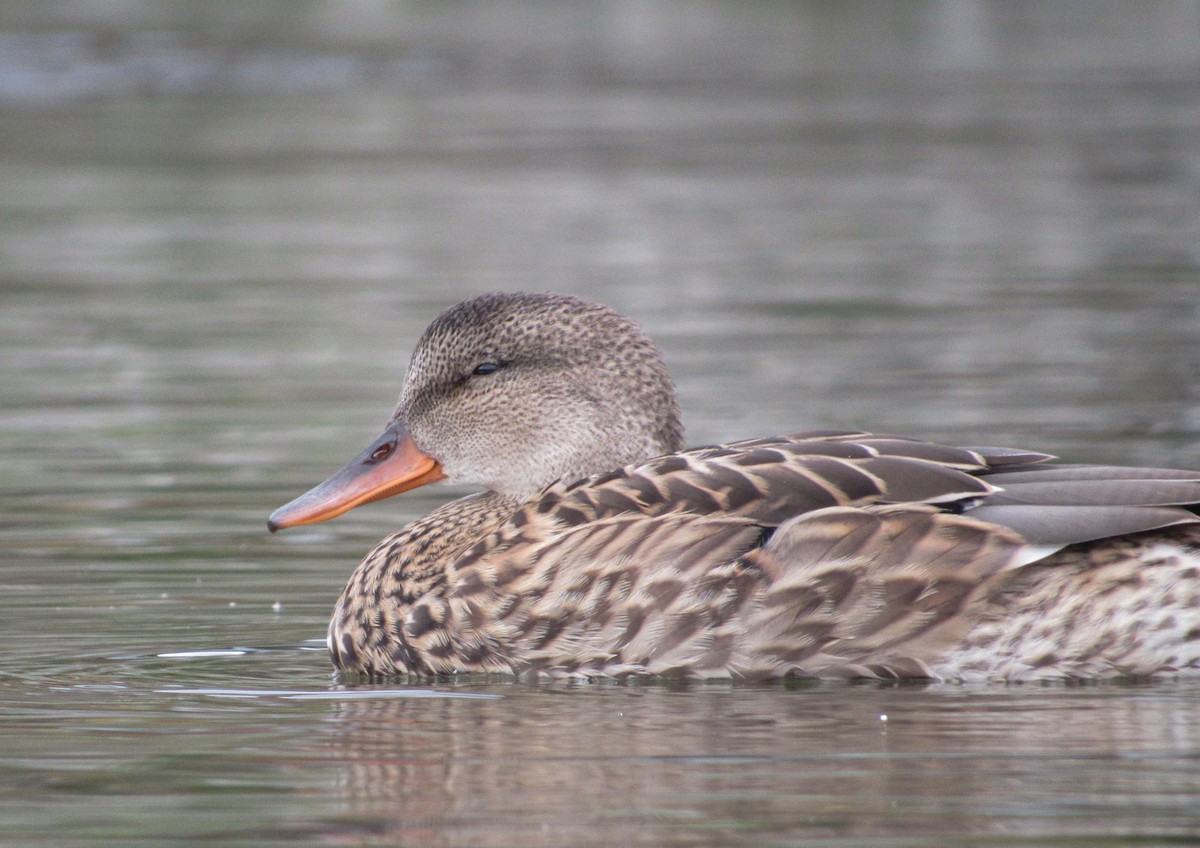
point(600, 548)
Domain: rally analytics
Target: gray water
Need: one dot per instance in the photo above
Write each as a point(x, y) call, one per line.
point(222, 227)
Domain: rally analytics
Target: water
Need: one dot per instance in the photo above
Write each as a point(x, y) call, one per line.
point(220, 233)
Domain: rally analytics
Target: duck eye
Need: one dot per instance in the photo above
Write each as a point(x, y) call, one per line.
point(486, 368)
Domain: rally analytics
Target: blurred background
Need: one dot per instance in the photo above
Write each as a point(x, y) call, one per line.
point(224, 224)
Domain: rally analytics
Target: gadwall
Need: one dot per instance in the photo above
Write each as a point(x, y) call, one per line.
point(600, 548)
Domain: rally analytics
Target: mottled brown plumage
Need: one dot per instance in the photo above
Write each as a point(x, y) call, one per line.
point(601, 548)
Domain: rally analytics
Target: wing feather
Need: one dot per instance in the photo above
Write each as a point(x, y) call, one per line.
point(822, 553)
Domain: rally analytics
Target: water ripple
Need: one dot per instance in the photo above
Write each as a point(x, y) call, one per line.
point(331, 695)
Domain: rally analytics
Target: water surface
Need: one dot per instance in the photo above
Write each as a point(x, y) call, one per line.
point(220, 234)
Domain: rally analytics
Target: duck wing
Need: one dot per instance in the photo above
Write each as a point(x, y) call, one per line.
point(771, 480)
point(826, 554)
point(1058, 505)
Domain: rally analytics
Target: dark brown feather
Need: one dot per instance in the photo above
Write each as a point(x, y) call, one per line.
point(661, 568)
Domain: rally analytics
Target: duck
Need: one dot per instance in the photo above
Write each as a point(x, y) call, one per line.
point(598, 547)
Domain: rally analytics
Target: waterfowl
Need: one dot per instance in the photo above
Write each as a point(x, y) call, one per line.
point(599, 547)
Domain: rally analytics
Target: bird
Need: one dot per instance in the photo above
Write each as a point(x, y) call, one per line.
point(598, 547)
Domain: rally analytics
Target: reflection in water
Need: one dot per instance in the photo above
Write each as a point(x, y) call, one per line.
point(758, 762)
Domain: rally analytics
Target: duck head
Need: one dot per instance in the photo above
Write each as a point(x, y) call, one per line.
point(512, 392)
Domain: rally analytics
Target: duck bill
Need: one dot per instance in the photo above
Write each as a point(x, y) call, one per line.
point(388, 466)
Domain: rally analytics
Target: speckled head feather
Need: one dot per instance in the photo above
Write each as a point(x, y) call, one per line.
point(568, 388)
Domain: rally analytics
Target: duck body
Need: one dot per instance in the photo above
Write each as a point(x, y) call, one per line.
point(599, 548)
